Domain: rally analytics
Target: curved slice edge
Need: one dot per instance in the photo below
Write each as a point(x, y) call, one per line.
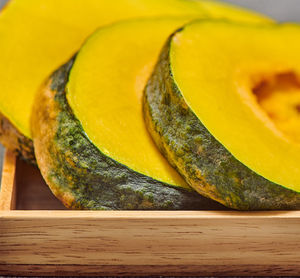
point(84, 178)
point(203, 161)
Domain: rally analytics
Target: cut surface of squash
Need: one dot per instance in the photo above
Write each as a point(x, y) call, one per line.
point(105, 92)
point(212, 108)
point(218, 88)
point(279, 97)
point(80, 175)
point(37, 36)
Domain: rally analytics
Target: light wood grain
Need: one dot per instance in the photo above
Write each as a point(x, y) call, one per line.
point(206, 240)
point(8, 192)
point(148, 270)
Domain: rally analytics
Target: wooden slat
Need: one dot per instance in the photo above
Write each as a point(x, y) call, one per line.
point(148, 270)
point(210, 242)
point(8, 192)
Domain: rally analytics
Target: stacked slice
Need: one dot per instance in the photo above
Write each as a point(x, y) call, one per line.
point(90, 139)
point(226, 145)
point(220, 100)
point(38, 36)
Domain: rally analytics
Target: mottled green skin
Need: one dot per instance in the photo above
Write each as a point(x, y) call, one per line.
point(71, 163)
point(203, 161)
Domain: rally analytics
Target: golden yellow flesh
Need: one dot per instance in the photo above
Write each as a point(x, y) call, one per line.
point(279, 96)
point(106, 87)
point(37, 36)
point(216, 65)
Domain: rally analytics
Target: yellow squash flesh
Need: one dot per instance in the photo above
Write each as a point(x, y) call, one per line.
point(105, 92)
point(248, 94)
point(37, 36)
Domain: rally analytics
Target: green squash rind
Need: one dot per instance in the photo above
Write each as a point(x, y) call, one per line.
point(84, 178)
point(203, 161)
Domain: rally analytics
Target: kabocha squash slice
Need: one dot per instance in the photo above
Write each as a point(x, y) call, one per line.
point(204, 108)
point(37, 36)
point(90, 141)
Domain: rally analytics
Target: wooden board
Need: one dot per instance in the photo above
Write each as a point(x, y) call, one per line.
point(8, 183)
point(38, 237)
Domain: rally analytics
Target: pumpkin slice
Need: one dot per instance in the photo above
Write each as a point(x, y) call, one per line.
point(37, 36)
point(211, 106)
point(91, 145)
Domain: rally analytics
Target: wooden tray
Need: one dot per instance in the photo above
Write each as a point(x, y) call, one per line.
point(39, 237)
